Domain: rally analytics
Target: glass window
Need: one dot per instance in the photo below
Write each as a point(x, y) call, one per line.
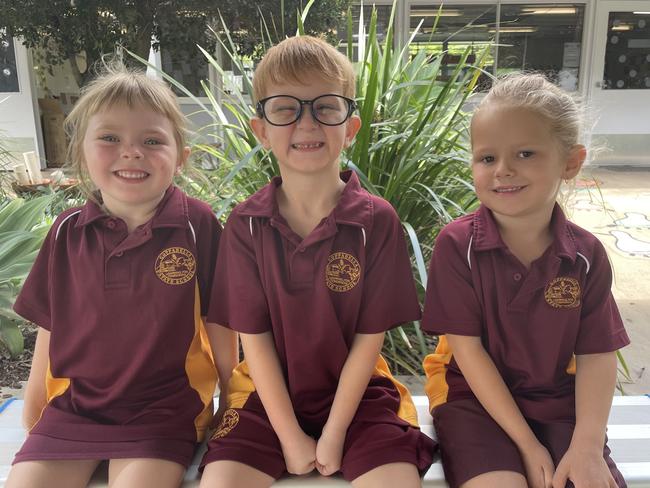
point(627, 55)
point(8, 72)
point(383, 17)
point(451, 30)
point(546, 38)
point(188, 70)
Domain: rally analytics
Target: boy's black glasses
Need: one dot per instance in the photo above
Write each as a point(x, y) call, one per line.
point(285, 110)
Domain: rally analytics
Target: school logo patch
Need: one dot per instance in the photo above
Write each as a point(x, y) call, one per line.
point(563, 292)
point(228, 422)
point(175, 266)
point(342, 272)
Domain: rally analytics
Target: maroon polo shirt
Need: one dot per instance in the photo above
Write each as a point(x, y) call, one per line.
point(350, 275)
point(124, 312)
point(531, 322)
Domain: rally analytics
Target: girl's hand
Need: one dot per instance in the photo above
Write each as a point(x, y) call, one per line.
point(300, 454)
point(587, 469)
point(539, 466)
point(329, 451)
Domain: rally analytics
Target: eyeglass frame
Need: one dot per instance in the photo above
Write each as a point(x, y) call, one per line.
point(352, 106)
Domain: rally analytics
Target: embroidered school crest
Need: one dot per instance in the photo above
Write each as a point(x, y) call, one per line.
point(342, 272)
point(228, 422)
point(563, 292)
point(175, 266)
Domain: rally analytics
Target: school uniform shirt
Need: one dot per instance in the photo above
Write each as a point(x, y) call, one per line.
point(531, 322)
point(350, 275)
point(128, 356)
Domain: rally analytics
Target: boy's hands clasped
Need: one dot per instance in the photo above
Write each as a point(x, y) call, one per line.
point(300, 454)
point(329, 451)
point(304, 454)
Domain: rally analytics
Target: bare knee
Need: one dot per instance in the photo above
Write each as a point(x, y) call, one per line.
point(37, 474)
point(389, 475)
point(144, 472)
point(497, 479)
point(233, 474)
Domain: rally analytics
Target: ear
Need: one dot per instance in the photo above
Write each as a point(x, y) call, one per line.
point(351, 129)
point(575, 159)
point(258, 126)
point(185, 153)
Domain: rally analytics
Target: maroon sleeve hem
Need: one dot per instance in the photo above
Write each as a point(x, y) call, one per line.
point(32, 314)
point(616, 342)
point(455, 328)
point(388, 324)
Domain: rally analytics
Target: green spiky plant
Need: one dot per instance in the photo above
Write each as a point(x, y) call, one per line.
point(23, 226)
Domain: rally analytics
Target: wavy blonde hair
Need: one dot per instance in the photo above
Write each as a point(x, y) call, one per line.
point(118, 85)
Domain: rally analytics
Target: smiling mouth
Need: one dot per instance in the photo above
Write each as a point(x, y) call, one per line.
point(131, 174)
point(508, 189)
point(311, 145)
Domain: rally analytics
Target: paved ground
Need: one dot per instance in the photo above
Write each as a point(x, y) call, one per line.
point(614, 204)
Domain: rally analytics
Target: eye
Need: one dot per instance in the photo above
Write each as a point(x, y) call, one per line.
point(109, 138)
point(152, 142)
point(525, 154)
point(486, 159)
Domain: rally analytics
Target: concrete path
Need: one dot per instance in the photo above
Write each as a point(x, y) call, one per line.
point(614, 204)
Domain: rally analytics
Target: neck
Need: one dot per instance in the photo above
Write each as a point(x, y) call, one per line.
point(132, 215)
point(310, 195)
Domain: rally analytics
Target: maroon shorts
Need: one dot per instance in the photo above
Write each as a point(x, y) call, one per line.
point(373, 439)
point(40, 447)
point(472, 443)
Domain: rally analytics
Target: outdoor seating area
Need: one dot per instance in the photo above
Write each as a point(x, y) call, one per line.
point(628, 432)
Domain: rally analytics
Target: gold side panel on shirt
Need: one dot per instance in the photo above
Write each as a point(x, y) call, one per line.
point(200, 369)
point(407, 410)
point(54, 387)
point(342, 272)
point(240, 386)
point(435, 367)
point(563, 292)
point(175, 266)
point(571, 368)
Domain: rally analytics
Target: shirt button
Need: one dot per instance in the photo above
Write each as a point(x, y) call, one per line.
point(517, 276)
point(110, 224)
point(119, 254)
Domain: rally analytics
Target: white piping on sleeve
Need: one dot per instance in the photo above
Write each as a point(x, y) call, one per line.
point(469, 250)
point(363, 231)
point(58, 229)
point(250, 225)
point(586, 261)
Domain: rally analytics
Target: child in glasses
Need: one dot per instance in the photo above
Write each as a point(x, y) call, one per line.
point(522, 381)
point(312, 271)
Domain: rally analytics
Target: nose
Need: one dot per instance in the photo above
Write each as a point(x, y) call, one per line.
point(503, 168)
point(306, 119)
point(131, 151)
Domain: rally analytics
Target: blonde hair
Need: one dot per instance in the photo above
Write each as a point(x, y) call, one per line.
point(118, 85)
point(296, 58)
point(534, 92)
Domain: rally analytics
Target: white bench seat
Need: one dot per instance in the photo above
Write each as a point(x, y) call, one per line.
point(628, 431)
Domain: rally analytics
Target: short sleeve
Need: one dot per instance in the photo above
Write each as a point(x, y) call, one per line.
point(389, 297)
point(451, 304)
point(33, 301)
point(208, 233)
point(601, 327)
point(238, 299)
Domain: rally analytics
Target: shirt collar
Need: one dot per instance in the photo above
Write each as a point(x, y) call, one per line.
point(353, 208)
point(486, 234)
point(172, 211)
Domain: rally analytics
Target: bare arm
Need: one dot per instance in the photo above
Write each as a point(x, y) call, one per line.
point(35, 391)
point(490, 389)
point(583, 462)
point(356, 373)
point(298, 448)
point(225, 351)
